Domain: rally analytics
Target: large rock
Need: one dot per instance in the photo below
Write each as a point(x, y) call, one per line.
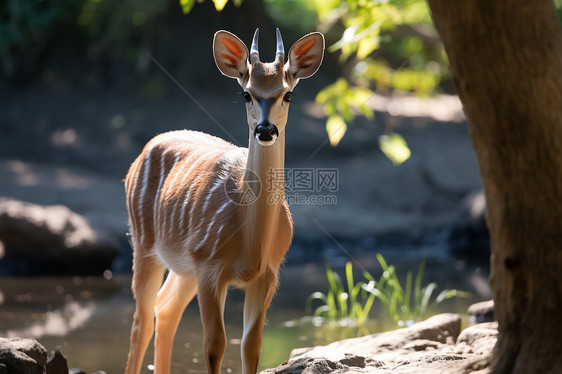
point(22, 356)
point(481, 312)
point(56, 363)
point(435, 345)
point(314, 365)
point(478, 339)
point(52, 239)
point(435, 332)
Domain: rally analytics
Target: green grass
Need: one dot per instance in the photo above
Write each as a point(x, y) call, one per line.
point(350, 303)
point(347, 303)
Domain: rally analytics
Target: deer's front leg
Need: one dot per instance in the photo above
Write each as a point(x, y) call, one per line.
point(258, 297)
point(212, 297)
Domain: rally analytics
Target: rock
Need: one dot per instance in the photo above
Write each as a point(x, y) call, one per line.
point(440, 329)
point(52, 239)
point(481, 312)
point(56, 363)
point(422, 345)
point(435, 345)
point(22, 356)
point(320, 365)
point(310, 365)
point(478, 339)
point(359, 361)
point(27, 356)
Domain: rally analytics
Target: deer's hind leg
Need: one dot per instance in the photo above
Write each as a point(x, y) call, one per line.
point(147, 280)
point(176, 293)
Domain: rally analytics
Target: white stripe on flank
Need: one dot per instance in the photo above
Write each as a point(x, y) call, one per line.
point(218, 235)
point(210, 225)
point(144, 186)
point(158, 190)
point(131, 187)
point(217, 184)
point(170, 186)
point(188, 192)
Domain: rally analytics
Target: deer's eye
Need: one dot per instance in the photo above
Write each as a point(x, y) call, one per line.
point(288, 97)
point(247, 97)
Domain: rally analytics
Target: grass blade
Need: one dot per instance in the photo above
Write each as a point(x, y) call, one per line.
point(418, 287)
point(408, 292)
point(426, 295)
point(315, 296)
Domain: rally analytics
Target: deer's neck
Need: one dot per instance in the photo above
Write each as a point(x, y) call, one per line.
point(265, 164)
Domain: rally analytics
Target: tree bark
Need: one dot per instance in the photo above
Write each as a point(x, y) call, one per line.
point(506, 63)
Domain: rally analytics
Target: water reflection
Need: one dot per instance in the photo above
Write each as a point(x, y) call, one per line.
point(57, 323)
point(39, 307)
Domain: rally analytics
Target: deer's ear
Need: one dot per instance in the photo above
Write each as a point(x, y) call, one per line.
point(231, 55)
point(305, 56)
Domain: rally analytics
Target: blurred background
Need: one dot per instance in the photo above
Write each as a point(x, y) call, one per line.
point(84, 84)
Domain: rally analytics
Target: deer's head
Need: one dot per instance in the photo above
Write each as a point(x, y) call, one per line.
point(267, 86)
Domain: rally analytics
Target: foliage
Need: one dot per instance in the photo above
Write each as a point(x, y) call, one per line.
point(341, 102)
point(22, 24)
point(404, 304)
point(29, 28)
point(372, 33)
point(395, 148)
point(296, 15)
point(340, 303)
point(187, 5)
point(367, 34)
point(117, 25)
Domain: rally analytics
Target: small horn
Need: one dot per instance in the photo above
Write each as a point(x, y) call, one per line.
point(254, 53)
point(280, 54)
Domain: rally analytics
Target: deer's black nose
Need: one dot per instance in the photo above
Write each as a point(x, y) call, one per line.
point(266, 132)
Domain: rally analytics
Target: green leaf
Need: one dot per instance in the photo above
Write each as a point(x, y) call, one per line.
point(395, 148)
point(342, 299)
point(315, 296)
point(426, 294)
point(324, 310)
point(220, 4)
point(382, 261)
point(331, 304)
point(366, 309)
point(408, 290)
point(336, 128)
point(367, 46)
point(187, 5)
point(418, 286)
point(350, 282)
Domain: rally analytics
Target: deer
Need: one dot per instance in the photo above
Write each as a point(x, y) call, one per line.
point(199, 211)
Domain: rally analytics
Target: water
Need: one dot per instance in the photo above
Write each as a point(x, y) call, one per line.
point(89, 318)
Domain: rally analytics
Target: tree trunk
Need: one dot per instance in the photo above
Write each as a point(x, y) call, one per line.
point(506, 63)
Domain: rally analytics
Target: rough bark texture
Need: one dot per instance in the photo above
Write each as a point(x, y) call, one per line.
point(506, 61)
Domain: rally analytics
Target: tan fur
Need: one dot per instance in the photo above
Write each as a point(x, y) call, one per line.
point(183, 218)
point(267, 80)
